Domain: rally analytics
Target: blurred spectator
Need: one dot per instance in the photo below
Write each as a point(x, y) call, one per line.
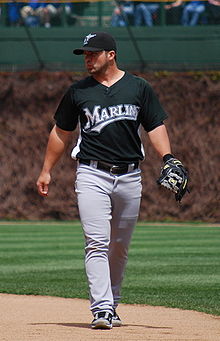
point(192, 12)
point(144, 12)
point(69, 13)
point(79, 7)
point(213, 9)
point(13, 13)
point(37, 13)
point(49, 12)
point(174, 12)
point(74, 10)
point(30, 13)
point(123, 14)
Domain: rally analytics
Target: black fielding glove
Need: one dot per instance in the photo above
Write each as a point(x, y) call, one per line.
point(174, 176)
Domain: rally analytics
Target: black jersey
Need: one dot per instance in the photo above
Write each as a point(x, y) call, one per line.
point(110, 117)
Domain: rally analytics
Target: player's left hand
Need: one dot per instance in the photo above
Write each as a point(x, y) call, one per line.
point(174, 177)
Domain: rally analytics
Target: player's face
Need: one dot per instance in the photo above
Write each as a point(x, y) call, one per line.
point(97, 62)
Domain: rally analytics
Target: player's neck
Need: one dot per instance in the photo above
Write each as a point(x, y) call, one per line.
point(110, 77)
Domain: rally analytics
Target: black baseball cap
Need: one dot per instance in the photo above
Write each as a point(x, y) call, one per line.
point(97, 41)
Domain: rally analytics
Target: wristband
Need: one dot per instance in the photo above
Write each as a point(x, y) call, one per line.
point(167, 157)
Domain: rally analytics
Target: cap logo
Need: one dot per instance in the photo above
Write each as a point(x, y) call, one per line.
point(88, 37)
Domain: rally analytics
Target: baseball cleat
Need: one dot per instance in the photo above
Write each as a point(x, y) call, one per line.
point(116, 321)
point(102, 320)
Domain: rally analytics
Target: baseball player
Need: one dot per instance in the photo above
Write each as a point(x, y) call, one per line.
point(110, 105)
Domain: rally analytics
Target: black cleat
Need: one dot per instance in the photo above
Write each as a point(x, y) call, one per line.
point(116, 321)
point(102, 320)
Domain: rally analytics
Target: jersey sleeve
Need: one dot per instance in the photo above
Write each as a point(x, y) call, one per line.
point(152, 112)
point(66, 115)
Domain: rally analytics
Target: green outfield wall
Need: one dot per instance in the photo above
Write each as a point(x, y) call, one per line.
point(143, 48)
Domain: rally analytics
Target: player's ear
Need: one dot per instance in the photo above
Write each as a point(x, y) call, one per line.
point(111, 55)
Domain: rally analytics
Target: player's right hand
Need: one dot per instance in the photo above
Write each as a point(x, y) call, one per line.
point(43, 183)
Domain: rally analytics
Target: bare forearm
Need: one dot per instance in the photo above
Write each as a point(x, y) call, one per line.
point(57, 143)
point(214, 2)
point(177, 3)
point(160, 140)
point(58, 140)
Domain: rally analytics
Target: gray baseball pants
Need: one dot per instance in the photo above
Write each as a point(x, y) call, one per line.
point(109, 208)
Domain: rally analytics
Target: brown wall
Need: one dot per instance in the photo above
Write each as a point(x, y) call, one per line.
point(27, 103)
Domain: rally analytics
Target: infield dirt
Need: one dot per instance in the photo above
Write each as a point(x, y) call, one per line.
point(42, 318)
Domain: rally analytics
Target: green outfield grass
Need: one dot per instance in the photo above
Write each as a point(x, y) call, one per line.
point(169, 265)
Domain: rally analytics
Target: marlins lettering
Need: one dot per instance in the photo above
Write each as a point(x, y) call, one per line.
point(99, 118)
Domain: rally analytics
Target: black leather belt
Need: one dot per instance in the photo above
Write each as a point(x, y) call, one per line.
point(111, 168)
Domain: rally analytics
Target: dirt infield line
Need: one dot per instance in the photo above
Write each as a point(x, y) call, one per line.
point(42, 318)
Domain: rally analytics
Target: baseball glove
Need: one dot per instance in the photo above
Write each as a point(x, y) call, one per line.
point(174, 177)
